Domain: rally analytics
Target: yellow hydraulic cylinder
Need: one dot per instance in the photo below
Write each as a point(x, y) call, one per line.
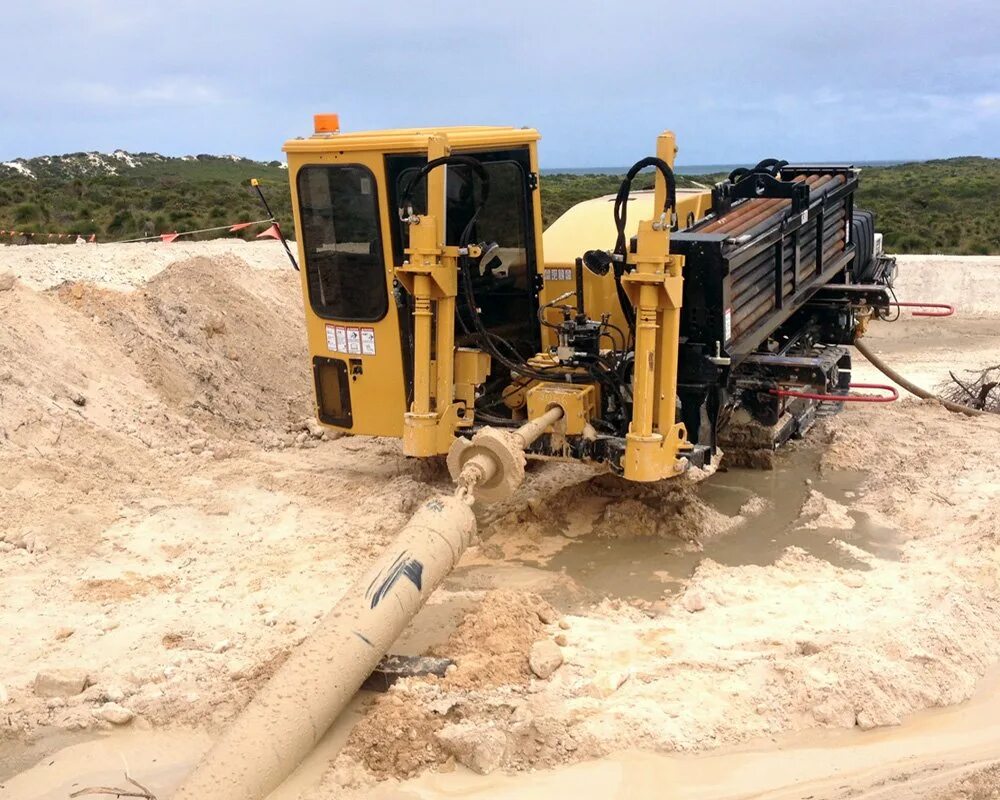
point(645, 367)
point(655, 289)
point(668, 349)
point(437, 207)
point(444, 393)
point(431, 276)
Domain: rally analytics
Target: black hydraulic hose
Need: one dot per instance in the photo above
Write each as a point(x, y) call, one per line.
point(769, 166)
point(621, 215)
point(621, 201)
point(477, 167)
point(923, 394)
point(489, 341)
point(465, 161)
point(518, 365)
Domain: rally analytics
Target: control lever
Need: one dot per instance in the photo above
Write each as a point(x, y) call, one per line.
point(490, 261)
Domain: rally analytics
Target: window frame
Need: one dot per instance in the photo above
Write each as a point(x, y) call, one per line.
point(488, 157)
point(322, 311)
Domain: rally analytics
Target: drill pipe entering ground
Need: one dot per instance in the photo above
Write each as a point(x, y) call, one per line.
point(286, 719)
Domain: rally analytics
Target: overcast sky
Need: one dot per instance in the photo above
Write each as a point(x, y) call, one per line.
point(737, 80)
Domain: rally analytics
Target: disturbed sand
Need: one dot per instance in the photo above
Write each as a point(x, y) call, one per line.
point(175, 521)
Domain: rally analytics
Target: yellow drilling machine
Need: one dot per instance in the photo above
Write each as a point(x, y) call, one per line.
point(655, 321)
point(640, 332)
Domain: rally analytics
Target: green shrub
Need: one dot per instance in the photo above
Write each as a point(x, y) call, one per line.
point(26, 213)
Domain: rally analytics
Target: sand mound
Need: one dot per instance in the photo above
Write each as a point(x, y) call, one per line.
point(216, 342)
point(126, 266)
point(399, 733)
point(819, 511)
point(133, 428)
point(101, 387)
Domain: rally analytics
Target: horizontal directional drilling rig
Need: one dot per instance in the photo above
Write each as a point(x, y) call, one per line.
point(655, 325)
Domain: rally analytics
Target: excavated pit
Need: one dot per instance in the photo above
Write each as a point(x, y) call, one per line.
point(175, 523)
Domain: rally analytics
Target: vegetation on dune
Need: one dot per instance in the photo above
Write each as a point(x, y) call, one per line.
point(158, 196)
point(945, 206)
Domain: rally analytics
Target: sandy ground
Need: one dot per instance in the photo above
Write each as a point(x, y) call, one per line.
point(174, 523)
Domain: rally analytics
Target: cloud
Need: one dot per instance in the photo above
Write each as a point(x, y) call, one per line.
point(170, 91)
point(987, 104)
point(861, 79)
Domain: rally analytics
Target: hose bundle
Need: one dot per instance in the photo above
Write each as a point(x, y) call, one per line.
point(621, 216)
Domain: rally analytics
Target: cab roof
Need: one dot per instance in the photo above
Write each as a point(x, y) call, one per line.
point(413, 139)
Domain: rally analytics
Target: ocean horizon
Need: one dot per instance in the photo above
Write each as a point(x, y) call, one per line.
point(709, 169)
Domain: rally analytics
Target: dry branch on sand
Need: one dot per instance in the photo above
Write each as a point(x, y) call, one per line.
point(980, 389)
point(138, 791)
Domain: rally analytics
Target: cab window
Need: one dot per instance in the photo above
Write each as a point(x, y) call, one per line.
point(338, 208)
point(504, 289)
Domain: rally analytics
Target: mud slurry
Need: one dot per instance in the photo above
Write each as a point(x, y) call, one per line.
point(748, 605)
point(765, 513)
point(608, 540)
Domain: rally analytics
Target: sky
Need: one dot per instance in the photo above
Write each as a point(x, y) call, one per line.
point(737, 80)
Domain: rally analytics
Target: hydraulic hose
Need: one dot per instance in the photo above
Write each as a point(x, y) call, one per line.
point(621, 215)
point(911, 387)
point(406, 196)
point(513, 360)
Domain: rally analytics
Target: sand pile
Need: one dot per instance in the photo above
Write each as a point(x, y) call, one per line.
point(109, 388)
point(227, 353)
point(126, 266)
point(820, 511)
point(422, 723)
point(127, 419)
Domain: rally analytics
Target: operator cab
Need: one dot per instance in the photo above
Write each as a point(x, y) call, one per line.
point(346, 193)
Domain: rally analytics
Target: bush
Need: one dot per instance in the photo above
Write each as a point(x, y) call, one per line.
point(26, 213)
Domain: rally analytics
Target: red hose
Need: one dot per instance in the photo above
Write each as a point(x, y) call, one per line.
point(943, 309)
point(845, 398)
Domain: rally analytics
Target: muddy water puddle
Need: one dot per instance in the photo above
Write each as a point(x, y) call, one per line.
point(647, 567)
point(819, 763)
point(159, 759)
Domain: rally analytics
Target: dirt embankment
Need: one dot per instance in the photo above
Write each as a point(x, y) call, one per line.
point(163, 531)
point(173, 524)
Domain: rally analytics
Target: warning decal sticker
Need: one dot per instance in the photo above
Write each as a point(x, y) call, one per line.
point(557, 274)
point(351, 341)
point(368, 341)
point(354, 341)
